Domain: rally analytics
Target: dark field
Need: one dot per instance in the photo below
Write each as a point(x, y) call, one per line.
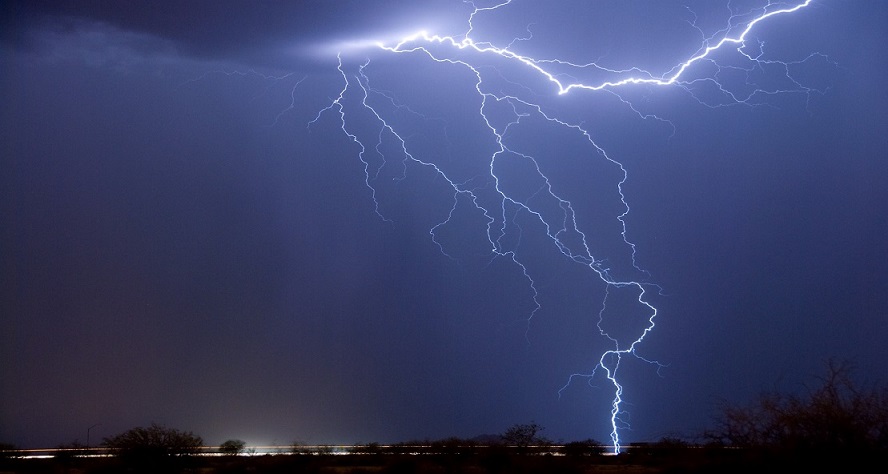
point(498, 460)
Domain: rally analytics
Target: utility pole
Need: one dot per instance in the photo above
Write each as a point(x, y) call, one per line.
point(87, 434)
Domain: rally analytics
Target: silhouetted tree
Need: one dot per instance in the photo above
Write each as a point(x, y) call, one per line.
point(154, 442)
point(232, 447)
point(837, 417)
point(523, 436)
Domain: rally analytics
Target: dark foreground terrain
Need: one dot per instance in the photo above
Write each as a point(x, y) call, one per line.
point(492, 461)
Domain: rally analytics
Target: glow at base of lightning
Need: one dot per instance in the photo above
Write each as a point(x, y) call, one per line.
point(357, 94)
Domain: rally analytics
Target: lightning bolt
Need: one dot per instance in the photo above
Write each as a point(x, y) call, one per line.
point(369, 117)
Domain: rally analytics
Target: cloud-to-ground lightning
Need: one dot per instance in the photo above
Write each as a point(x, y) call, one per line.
point(368, 115)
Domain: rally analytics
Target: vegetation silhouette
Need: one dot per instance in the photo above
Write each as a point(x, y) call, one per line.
point(233, 447)
point(836, 426)
point(155, 448)
point(836, 423)
point(589, 447)
point(524, 438)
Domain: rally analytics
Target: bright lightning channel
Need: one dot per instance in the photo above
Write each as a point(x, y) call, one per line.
point(561, 228)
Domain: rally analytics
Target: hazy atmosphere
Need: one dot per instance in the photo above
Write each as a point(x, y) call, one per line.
point(274, 221)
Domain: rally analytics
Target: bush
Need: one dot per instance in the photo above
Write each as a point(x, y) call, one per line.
point(589, 447)
point(838, 418)
point(154, 442)
point(232, 447)
point(524, 438)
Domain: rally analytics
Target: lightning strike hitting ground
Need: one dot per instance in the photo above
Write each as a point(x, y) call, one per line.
point(368, 116)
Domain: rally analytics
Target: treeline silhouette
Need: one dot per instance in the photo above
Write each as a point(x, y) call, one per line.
point(836, 426)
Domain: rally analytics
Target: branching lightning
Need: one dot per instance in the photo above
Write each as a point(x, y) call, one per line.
point(358, 104)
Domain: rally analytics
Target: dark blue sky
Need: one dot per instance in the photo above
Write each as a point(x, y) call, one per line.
point(186, 241)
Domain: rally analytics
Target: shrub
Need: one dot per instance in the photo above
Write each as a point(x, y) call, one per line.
point(154, 442)
point(232, 447)
point(838, 417)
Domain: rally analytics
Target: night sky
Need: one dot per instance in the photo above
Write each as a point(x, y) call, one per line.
point(192, 236)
